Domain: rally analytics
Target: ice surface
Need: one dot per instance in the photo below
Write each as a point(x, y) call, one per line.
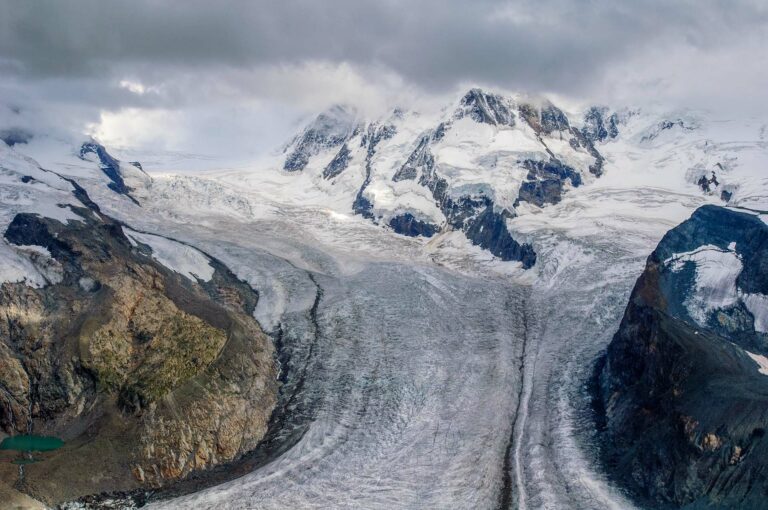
point(757, 304)
point(716, 273)
point(174, 255)
point(715, 285)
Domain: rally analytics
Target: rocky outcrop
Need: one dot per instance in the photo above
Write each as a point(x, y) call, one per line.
point(682, 392)
point(338, 164)
point(147, 374)
point(421, 157)
point(599, 126)
point(545, 184)
point(13, 136)
point(372, 137)
point(667, 126)
point(408, 225)
point(488, 229)
point(109, 165)
point(544, 119)
point(487, 108)
point(330, 129)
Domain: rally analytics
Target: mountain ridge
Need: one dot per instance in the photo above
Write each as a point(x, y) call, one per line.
point(418, 168)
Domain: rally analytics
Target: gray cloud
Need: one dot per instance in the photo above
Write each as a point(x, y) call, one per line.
point(198, 61)
point(550, 44)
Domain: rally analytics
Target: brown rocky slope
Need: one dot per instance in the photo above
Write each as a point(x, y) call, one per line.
point(146, 374)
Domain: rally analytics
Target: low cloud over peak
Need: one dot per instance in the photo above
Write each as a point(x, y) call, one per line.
point(300, 55)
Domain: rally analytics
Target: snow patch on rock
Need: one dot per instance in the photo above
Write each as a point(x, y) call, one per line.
point(757, 304)
point(31, 265)
point(174, 255)
point(762, 362)
point(715, 286)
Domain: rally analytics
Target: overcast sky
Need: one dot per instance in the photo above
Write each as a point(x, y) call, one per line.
point(236, 76)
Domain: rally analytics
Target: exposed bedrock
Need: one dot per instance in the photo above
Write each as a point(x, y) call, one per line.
point(147, 374)
point(408, 225)
point(682, 392)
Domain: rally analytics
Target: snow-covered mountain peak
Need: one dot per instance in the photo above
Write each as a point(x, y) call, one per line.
point(486, 108)
point(467, 169)
point(474, 169)
point(329, 129)
point(121, 175)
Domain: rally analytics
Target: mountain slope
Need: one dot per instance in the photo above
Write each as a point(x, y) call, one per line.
point(467, 172)
point(139, 351)
point(683, 390)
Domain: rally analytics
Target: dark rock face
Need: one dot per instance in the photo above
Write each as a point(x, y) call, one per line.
point(541, 192)
point(362, 205)
point(440, 131)
point(682, 406)
point(487, 108)
point(12, 136)
point(146, 374)
point(476, 216)
point(338, 164)
point(375, 134)
point(579, 140)
point(297, 160)
point(329, 129)
point(110, 166)
point(667, 125)
point(30, 229)
point(407, 224)
point(370, 140)
point(553, 119)
point(545, 181)
point(489, 231)
point(707, 183)
point(599, 126)
point(544, 120)
point(421, 157)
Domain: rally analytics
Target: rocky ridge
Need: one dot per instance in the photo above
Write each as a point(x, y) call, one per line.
point(541, 156)
point(682, 392)
point(139, 351)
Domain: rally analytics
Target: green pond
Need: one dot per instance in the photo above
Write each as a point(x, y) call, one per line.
point(31, 443)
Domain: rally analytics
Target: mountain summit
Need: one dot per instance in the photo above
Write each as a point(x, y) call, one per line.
point(469, 170)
